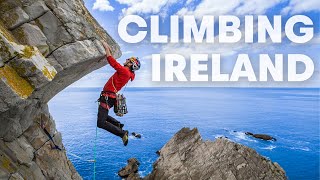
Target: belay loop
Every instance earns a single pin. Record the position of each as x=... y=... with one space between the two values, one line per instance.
x=121 y=106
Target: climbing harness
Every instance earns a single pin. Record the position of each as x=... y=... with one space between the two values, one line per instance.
x=120 y=107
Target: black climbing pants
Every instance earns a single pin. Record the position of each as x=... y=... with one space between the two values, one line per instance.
x=107 y=122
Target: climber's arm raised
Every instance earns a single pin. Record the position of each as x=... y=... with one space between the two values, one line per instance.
x=113 y=63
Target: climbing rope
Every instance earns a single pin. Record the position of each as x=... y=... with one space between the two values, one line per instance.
x=94 y=155
x=95 y=141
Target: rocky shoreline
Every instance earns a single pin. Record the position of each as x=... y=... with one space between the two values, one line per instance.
x=187 y=156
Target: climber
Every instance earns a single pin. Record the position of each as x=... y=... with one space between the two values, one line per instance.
x=108 y=96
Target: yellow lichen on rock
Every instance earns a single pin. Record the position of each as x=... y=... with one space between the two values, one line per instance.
x=17 y=83
x=33 y=69
x=28 y=52
x=5 y=53
x=4 y=50
x=31 y=63
x=9 y=48
x=6 y=33
x=6 y=163
x=49 y=74
x=40 y=63
x=12 y=19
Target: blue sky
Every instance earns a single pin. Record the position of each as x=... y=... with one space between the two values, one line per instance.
x=109 y=12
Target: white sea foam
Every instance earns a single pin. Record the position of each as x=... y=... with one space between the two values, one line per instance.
x=142 y=173
x=132 y=137
x=74 y=155
x=269 y=147
x=218 y=136
x=300 y=148
x=242 y=136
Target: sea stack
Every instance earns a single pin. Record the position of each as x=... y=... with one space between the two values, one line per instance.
x=130 y=171
x=261 y=136
x=187 y=156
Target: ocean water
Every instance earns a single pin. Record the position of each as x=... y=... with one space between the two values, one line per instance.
x=290 y=115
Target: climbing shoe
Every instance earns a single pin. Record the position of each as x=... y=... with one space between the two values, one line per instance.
x=125 y=138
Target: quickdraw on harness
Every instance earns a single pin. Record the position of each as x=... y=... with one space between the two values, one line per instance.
x=121 y=106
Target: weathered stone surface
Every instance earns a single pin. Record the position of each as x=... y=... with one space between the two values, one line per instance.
x=16 y=119
x=77 y=52
x=52 y=60
x=8 y=48
x=130 y=171
x=80 y=22
x=4 y=175
x=8 y=163
x=35 y=134
x=32 y=172
x=13 y=87
x=34 y=67
x=51 y=162
x=16 y=176
x=1 y=63
x=92 y=58
x=3 y=106
x=29 y=34
x=22 y=150
x=186 y=156
x=53 y=30
x=61 y=80
x=28 y=80
x=14 y=18
x=36 y=9
x=7 y=5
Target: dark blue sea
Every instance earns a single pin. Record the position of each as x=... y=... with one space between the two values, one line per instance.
x=290 y=115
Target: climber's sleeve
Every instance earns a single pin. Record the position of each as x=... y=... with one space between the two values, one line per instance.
x=114 y=63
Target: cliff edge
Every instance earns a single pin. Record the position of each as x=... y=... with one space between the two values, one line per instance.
x=45 y=45
x=187 y=156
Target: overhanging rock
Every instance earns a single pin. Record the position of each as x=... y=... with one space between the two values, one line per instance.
x=45 y=46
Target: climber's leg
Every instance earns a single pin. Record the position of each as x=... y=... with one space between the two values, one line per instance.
x=102 y=123
x=114 y=121
x=111 y=102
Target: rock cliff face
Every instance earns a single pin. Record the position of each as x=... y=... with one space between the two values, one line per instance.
x=45 y=45
x=186 y=156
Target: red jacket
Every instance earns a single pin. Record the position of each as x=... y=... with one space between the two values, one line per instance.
x=119 y=78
